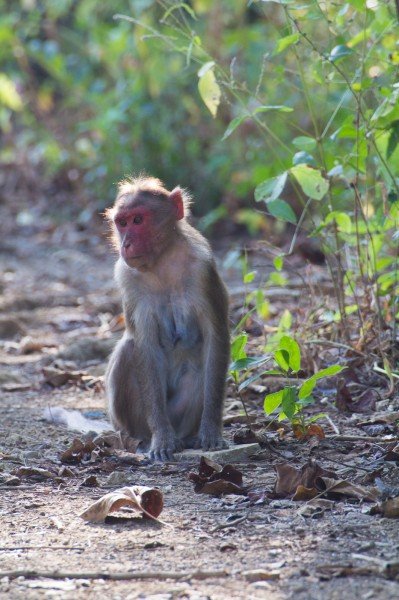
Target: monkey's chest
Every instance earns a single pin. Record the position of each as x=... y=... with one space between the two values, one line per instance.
x=178 y=329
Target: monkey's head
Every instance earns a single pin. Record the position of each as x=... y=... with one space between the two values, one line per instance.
x=144 y=220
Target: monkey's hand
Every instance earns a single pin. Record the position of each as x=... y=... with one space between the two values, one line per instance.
x=210 y=439
x=164 y=445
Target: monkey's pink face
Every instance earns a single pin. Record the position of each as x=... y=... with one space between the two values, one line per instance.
x=137 y=233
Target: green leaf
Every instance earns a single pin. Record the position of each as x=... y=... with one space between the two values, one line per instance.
x=308 y=386
x=234 y=124
x=311 y=181
x=288 y=403
x=281 y=210
x=249 y=277
x=282 y=358
x=342 y=220
x=393 y=140
x=278 y=262
x=304 y=143
x=339 y=52
x=238 y=347
x=289 y=346
x=314 y=418
x=9 y=95
x=270 y=189
x=272 y=401
x=387 y=112
x=208 y=87
x=276 y=107
x=285 y=42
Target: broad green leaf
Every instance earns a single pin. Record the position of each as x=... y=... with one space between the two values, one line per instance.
x=288 y=403
x=311 y=181
x=286 y=42
x=282 y=358
x=308 y=386
x=342 y=220
x=339 y=52
x=316 y=417
x=234 y=124
x=276 y=107
x=238 y=347
x=208 y=88
x=272 y=401
x=270 y=189
x=291 y=347
x=9 y=95
x=281 y=210
x=304 y=143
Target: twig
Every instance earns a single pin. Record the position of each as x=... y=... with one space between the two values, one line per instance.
x=229 y=523
x=333 y=425
x=361 y=438
x=10 y=548
x=128 y=575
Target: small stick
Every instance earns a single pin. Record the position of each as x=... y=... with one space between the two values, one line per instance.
x=10 y=548
x=333 y=425
x=31 y=574
x=229 y=523
x=361 y=438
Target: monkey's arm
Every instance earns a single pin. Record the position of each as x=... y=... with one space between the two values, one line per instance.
x=216 y=361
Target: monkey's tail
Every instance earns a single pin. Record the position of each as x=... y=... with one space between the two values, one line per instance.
x=75 y=420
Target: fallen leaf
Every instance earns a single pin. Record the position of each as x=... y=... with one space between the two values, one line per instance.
x=364 y=403
x=304 y=493
x=337 y=488
x=289 y=478
x=36 y=473
x=144 y=499
x=215 y=480
x=305 y=433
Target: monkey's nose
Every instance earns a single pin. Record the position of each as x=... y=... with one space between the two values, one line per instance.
x=127 y=244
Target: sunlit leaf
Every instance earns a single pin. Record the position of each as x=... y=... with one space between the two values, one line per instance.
x=238 y=347
x=288 y=403
x=290 y=349
x=272 y=401
x=311 y=181
x=285 y=42
x=234 y=124
x=208 y=87
x=9 y=95
x=276 y=107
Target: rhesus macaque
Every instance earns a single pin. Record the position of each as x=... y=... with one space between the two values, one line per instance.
x=166 y=378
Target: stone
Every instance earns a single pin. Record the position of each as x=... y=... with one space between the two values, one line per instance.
x=233 y=454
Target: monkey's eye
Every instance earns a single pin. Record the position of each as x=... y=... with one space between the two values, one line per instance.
x=138 y=219
x=122 y=222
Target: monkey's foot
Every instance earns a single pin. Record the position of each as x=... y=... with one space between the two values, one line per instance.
x=210 y=441
x=163 y=448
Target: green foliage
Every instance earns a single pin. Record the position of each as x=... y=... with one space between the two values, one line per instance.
x=290 y=401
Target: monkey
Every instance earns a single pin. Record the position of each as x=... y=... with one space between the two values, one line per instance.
x=165 y=380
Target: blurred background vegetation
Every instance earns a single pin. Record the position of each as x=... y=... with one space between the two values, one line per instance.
x=86 y=99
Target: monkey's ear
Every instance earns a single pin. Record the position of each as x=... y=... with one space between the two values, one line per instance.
x=176 y=197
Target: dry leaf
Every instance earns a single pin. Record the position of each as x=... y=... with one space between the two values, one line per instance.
x=215 y=480
x=339 y=487
x=144 y=499
x=304 y=493
x=289 y=478
x=305 y=433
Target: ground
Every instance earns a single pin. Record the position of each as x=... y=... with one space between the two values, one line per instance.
x=60 y=311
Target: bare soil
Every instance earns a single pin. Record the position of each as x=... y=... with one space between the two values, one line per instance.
x=57 y=289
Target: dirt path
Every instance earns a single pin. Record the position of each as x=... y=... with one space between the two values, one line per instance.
x=58 y=291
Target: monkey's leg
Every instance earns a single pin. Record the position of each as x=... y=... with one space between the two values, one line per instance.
x=136 y=388
x=185 y=406
x=216 y=364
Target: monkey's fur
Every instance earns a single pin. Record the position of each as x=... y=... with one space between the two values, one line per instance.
x=166 y=378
